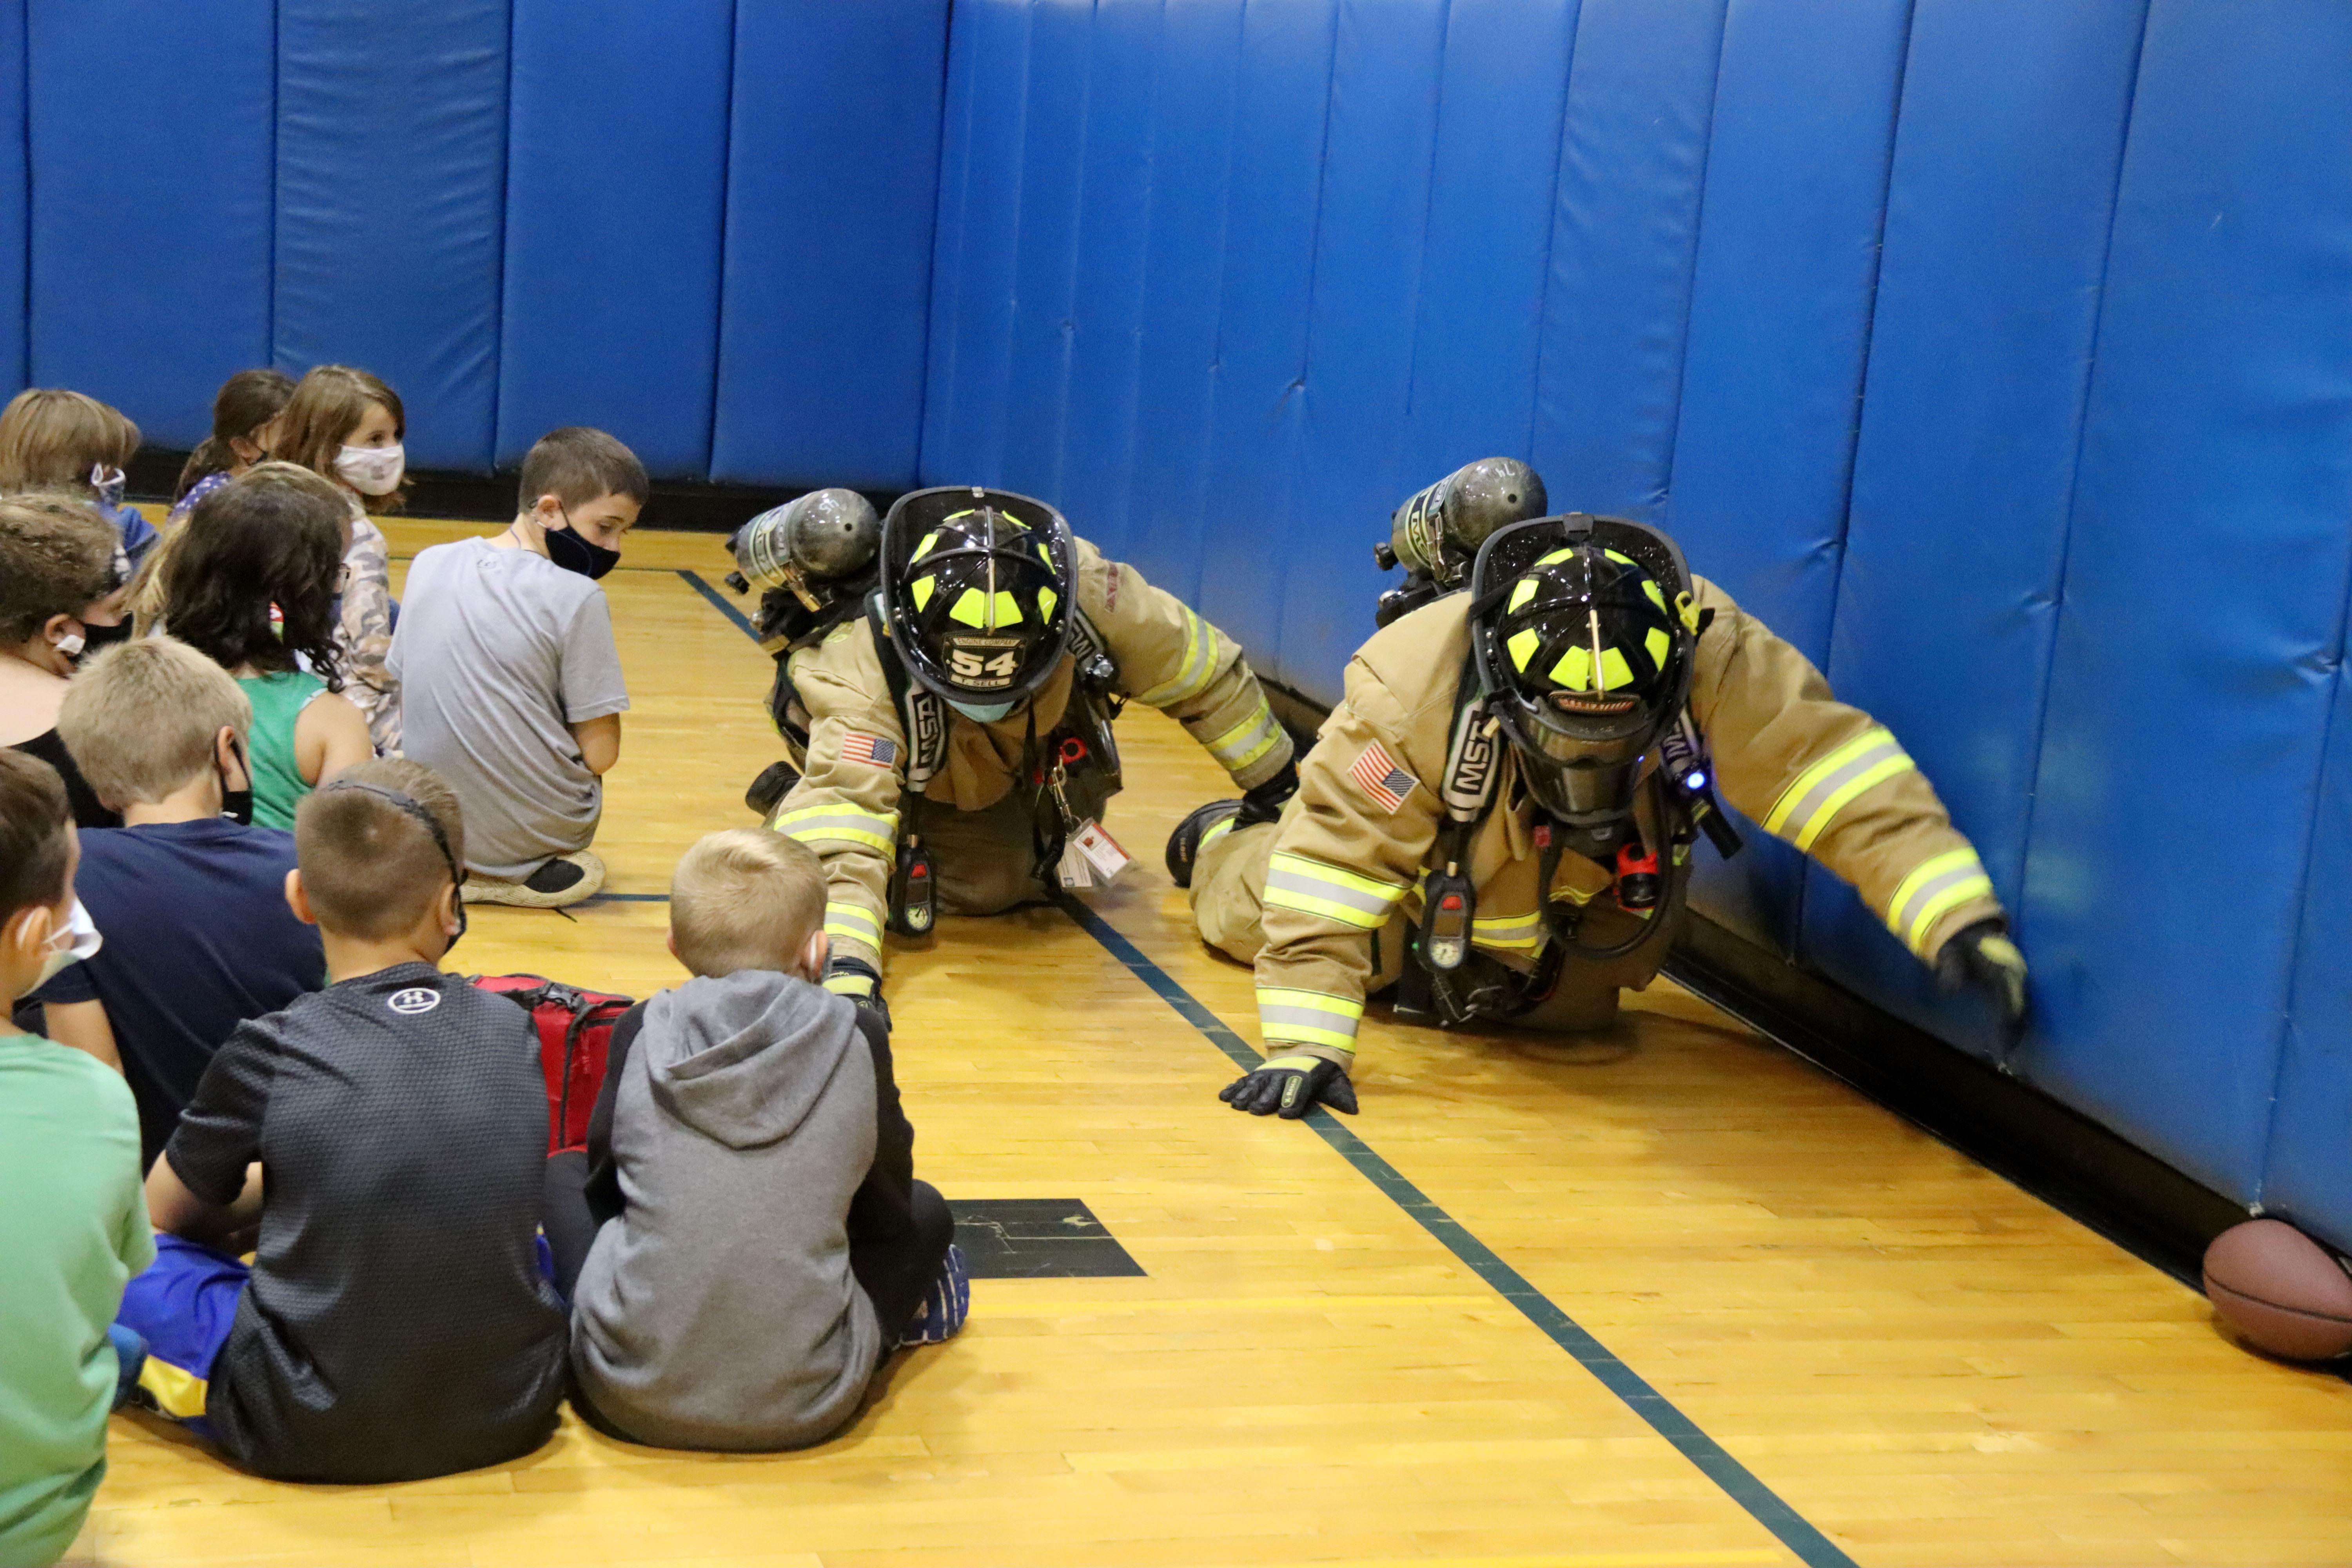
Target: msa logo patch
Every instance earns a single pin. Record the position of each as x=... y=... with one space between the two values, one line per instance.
x=983 y=664
x=414 y=1000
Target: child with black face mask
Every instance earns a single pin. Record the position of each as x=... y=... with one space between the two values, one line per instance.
x=510 y=685
x=189 y=899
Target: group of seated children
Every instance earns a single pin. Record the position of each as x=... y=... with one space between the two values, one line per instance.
x=224 y=917
x=503 y=675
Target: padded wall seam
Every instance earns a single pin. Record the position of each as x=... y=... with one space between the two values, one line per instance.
x=2074 y=492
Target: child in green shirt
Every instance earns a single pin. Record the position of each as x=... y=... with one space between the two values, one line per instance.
x=74 y=1225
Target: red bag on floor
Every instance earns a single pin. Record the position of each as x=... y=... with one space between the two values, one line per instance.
x=575 y=1034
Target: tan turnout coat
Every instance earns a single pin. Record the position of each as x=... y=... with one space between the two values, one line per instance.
x=846 y=805
x=1321 y=902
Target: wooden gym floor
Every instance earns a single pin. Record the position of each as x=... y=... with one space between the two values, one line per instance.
x=1902 y=1358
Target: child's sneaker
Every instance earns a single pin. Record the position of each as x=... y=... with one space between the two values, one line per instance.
x=566 y=879
x=944 y=1310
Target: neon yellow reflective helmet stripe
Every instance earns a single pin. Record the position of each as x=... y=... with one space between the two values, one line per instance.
x=1525 y=644
x=923 y=588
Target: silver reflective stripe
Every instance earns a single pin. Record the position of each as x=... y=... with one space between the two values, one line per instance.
x=1321 y=894
x=1803 y=820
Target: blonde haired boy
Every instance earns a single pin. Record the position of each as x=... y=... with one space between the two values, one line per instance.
x=773 y=1244
x=187 y=894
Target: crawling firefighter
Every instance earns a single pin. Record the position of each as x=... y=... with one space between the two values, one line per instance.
x=1498 y=819
x=946 y=681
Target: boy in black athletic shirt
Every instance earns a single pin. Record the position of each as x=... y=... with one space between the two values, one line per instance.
x=395 y=1323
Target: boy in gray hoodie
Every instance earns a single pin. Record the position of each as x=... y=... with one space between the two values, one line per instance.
x=744 y=1240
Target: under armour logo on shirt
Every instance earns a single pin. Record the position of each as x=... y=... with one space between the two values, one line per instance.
x=414 y=1000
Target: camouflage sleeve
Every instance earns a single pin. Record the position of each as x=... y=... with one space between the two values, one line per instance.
x=1171 y=659
x=1832 y=781
x=364 y=636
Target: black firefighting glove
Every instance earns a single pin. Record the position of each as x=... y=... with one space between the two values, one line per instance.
x=1291 y=1085
x=1265 y=803
x=1982 y=957
x=860 y=982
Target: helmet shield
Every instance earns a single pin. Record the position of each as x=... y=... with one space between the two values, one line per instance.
x=1582 y=628
x=978 y=585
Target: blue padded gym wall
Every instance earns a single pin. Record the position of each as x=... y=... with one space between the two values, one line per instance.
x=16 y=180
x=151 y=218
x=610 y=309
x=704 y=226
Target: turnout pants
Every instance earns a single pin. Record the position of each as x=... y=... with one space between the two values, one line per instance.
x=986 y=861
x=1228 y=895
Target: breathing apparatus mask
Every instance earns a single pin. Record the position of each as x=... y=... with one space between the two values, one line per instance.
x=1582 y=630
x=809 y=556
x=1436 y=533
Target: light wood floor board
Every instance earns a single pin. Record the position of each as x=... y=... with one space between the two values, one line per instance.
x=1930 y=1365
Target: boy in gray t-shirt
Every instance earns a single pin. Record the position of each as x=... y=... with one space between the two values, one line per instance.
x=509 y=685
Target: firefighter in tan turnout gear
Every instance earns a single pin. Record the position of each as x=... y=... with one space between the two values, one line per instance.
x=1498 y=817
x=950 y=724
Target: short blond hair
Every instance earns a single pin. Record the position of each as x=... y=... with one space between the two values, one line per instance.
x=746 y=898
x=140 y=718
x=370 y=868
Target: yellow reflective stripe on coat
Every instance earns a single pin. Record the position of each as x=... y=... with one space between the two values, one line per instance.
x=840 y=822
x=1198 y=668
x=1247 y=741
x=850 y=984
x=1933 y=889
x=1808 y=807
x=1517 y=932
x=854 y=921
x=1311 y=888
x=1307 y=1017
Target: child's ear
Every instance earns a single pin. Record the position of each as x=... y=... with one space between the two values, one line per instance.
x=814 y=953
x=299 y=900
x=669 y=941
x=452 y=911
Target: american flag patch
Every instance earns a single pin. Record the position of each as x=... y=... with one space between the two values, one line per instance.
x=1377 y=774
x=874 y=750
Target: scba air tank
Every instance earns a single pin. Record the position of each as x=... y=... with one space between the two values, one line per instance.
x=1437 y=532
x=823 y=536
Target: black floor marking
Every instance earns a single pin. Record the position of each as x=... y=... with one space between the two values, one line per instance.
x=742 y=622
x=1037 y=1238
x=1735 y=1480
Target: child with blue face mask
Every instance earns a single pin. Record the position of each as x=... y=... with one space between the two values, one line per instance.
x=75 y=1229
x=347 y=427
x=53 y=440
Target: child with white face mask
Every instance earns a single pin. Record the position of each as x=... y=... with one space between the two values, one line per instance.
x=76 y=1226
x=347 y=427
